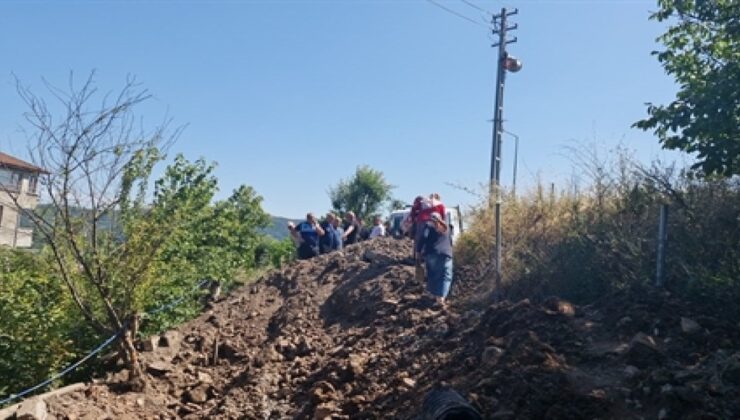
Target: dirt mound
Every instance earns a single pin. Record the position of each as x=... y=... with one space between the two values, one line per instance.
x=351 y=335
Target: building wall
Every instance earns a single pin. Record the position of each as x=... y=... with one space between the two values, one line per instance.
x=10 y=234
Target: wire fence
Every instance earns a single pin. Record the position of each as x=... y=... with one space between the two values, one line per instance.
x=100 y=347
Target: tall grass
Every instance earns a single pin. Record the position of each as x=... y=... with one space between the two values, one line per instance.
x=582 y=242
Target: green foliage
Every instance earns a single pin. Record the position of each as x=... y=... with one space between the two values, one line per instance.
x=274 y=253
x=207 y=241
x=39 y=325
x=582 y=245
x=364 y=193
x=702 y=52
x=396 y=204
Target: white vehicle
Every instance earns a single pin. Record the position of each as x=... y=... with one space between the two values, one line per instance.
x=452 y=218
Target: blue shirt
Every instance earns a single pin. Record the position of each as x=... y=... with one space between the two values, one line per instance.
x=328 y=242
x=308 y=234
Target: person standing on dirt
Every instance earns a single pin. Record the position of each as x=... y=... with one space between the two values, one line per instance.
x=435 y=248
x=338 y=230
x=378 y=228
x=352 y=229
x=307 y=235
x=331 y=240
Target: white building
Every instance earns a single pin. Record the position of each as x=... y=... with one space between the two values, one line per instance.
x=18 y=188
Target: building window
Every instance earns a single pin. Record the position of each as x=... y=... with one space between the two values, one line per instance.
x=33 y=181
x=10 y=180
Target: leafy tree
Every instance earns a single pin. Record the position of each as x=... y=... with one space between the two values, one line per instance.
x=396 y=204
x=702 y=52
x=364 y=193
x=99 y=162
x=215 y=242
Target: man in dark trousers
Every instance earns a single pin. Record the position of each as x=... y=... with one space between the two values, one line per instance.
x=435 y=247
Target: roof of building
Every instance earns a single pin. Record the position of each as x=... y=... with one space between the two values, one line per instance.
x=11 y=162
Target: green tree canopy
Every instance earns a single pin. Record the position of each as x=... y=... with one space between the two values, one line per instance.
x=364 y=193
x=702 y=52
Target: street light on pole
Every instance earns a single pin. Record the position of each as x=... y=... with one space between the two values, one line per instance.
x=516 y=160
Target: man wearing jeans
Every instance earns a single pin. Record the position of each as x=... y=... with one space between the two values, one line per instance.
x=435 y=247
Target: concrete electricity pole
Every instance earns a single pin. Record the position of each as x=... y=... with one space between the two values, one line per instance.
x=503 y=63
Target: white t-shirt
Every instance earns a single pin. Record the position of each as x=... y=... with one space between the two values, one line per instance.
x=377 y=231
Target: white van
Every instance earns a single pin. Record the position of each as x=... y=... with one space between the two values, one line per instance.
x=452 y=217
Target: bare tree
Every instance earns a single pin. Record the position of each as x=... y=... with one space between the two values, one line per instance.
x=99 y=159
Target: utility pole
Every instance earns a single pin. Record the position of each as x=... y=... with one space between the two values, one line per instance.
x=503 y=63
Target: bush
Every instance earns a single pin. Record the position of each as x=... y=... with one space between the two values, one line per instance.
x=584 y=244
x=39 y=326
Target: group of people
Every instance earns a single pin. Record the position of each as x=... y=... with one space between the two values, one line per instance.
x=313 y=238
x=425 y=224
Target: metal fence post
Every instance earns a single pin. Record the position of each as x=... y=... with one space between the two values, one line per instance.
x=662 y=239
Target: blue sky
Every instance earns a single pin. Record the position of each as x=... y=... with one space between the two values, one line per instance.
x=291 y=96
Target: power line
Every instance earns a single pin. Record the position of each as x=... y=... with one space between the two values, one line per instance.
x=460 y=15
x=476 y=7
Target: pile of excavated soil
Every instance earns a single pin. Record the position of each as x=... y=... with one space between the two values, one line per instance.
x=351 y=335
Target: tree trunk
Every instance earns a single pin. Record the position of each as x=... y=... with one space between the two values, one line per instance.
x=136 y=379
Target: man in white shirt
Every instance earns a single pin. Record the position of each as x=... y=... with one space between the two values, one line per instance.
x=378 y=228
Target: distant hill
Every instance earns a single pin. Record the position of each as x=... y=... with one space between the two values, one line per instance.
x=278 y=229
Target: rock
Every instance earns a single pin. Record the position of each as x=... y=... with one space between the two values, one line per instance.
x=149 y=343
x=32 y=409
x=625 y=321
x=503 y=415
x=197 y=395
x=118 y=377
x=324 y=411
x=158 y=368
x=204 y=378
x=356 y=363
x=642 y=351
x=558 y=305
x=631 y=371
x=322 y=391
x=171 y=339
x=408 y=382
x=731 y=372
x=491 y=355
x=690 y=327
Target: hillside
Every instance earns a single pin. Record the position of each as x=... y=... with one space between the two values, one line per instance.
x=278 y=227
x=350 y=335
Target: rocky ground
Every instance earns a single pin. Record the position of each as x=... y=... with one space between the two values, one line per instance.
x=351 y=335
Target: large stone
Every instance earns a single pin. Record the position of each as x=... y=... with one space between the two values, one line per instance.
x=198 y=395
x=158 y=368
x=491 y=355
x=322 y=391
x=324 y=411
x=149 y=343
x=171 y=339
x=558 y=305
x=643 y=351
x=690 y=327
x=32 y=409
